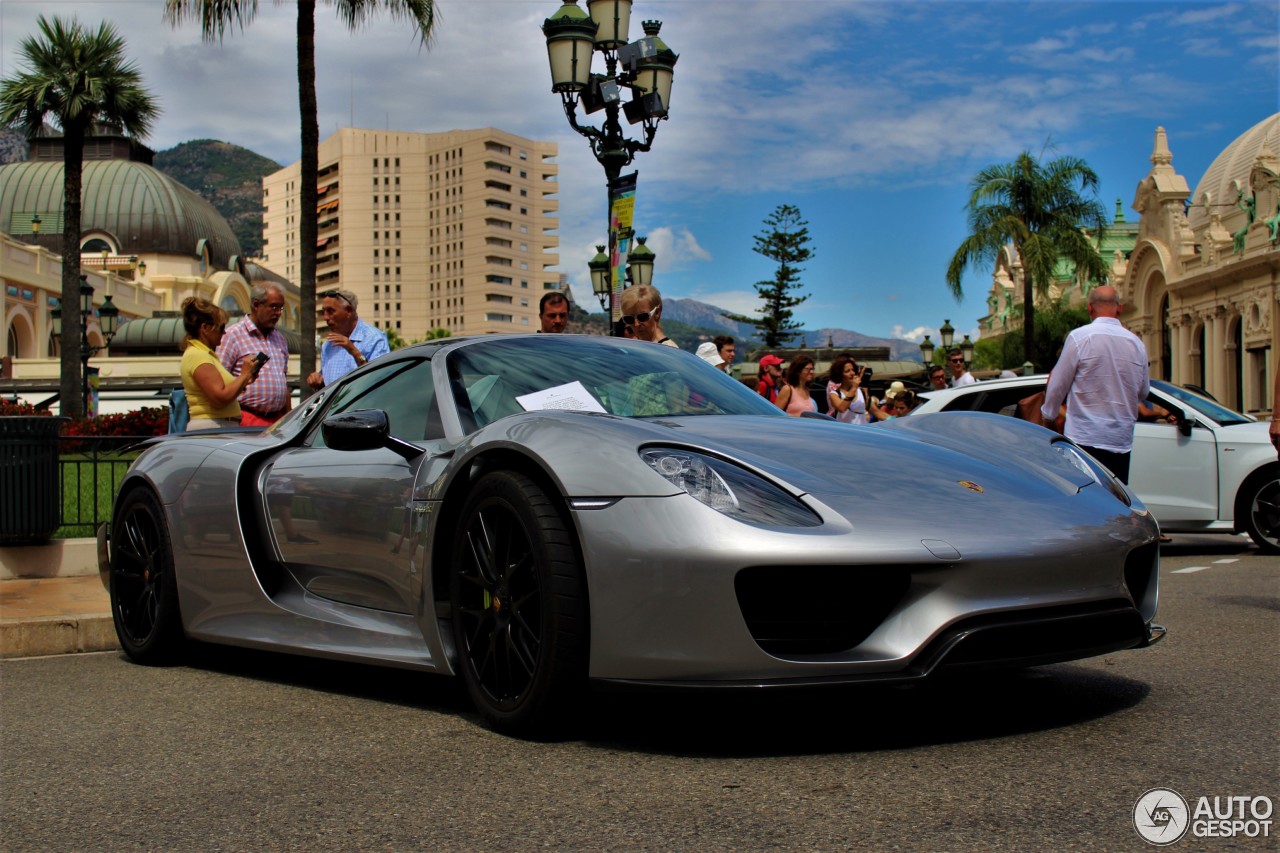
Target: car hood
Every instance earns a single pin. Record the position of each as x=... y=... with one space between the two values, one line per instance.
x=596 y=455
x=830 y=459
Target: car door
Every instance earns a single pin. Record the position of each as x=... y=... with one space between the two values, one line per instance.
x=1176 y=475
x=342 y=520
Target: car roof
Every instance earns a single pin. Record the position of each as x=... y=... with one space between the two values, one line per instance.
x=983 y=385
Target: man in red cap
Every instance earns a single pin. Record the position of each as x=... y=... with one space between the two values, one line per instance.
x=770 y=374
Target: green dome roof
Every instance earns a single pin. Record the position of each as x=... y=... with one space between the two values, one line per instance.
x=144 y=210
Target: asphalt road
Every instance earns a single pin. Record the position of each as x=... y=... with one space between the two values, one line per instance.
x=249 y=751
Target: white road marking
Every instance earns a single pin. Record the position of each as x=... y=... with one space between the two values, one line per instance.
x=1189 y=569
x=1228 y=560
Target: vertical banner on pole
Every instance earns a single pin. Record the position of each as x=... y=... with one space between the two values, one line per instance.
x=622 y=205
x=92 y=382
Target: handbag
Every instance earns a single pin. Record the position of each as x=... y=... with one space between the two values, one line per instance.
x=1029 y=410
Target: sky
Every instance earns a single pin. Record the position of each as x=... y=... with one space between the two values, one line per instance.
x=869 y=117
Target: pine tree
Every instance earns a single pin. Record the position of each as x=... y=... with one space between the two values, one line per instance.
x=785 y=241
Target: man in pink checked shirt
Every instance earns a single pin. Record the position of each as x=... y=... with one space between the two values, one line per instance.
x=265 y=401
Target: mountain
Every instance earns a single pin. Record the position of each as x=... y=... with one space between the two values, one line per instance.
x=228 y=177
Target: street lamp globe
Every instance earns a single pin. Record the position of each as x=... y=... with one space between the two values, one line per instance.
x=570 y=35
x=600 y=269
x=640 y=262
x=926 y=351
x=966 y=350
x=108 y=316
x=655 y=68
x=947 y=333
x=613 y=17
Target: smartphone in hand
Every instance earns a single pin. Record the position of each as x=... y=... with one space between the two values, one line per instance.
x=261 y=359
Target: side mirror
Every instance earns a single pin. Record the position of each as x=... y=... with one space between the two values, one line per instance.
x=365 y=429
x=1184 y=425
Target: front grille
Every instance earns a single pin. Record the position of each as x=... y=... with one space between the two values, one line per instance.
x=1046 y=635
x=805 y=611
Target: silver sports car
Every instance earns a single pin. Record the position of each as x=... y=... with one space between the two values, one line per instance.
x=539 y=513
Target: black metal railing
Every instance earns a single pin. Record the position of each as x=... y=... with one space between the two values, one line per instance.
x=90 y=469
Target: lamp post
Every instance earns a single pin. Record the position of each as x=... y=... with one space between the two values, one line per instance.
x=948 y=334
x=966 y=351
x=644 y=67
x=35 y=227
x=108 y=316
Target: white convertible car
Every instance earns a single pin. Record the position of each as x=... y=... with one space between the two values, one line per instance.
x=1214 y=472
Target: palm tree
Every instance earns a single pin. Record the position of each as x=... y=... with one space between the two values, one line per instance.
x=77 y=78
x=215 y=17
x=1042 y=210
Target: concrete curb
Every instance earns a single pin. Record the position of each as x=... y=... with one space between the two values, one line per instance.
x=57 y=635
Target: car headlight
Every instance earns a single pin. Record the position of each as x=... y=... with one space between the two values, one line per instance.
x=729 y=489
x=1088 y=465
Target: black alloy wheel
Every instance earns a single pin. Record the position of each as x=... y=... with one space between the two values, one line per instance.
x=1262 y=509
x=519 y=607
x=144 y=592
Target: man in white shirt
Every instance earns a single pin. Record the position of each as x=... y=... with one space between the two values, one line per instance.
x=959 y=376
x=1102 y=375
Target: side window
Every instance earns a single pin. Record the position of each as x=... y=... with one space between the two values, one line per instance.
x=403 y=390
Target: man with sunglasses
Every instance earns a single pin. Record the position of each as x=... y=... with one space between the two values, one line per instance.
x=268 y=398
x=641 y=308
x=350 y=342
x=959 y=376
x=938 y=377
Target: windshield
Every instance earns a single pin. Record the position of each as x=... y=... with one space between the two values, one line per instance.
x=504 y=376
x=1203 y=405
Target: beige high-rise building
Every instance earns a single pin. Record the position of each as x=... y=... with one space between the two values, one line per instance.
x=451 y=230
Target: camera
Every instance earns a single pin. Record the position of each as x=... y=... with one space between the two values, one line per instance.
x=866 y=374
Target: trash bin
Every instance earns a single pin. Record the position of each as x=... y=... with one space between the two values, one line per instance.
x=30 y=486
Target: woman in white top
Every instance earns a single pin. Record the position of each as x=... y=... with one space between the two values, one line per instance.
x=846 y=398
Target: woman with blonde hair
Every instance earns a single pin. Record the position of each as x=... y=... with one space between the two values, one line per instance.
x=211 y=391
x=794 y=398
x=641 y=309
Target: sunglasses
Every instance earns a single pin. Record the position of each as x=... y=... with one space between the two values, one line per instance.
x=642 y=317
x=956 y=360
x=333 y=294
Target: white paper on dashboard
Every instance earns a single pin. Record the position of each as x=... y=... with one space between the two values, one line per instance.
x=570 y=396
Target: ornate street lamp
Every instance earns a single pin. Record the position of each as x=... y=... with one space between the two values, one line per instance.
x=35 y=226
x=966 y=351
x=108 y=318
x=644 y=67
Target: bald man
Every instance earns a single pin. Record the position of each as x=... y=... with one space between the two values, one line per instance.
x=1102 y=375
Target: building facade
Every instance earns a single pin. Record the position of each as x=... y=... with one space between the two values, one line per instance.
x=451 y=230
x=1198 y=274
x=147 y=242
x=1202 y=285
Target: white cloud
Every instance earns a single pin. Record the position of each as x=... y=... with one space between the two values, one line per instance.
x=915 y=335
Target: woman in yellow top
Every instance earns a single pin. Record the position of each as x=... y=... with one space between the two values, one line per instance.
x=211 y=390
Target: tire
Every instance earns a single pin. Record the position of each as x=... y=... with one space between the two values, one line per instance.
x=1261 y=506
x=142 y=583
x=519 y=607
